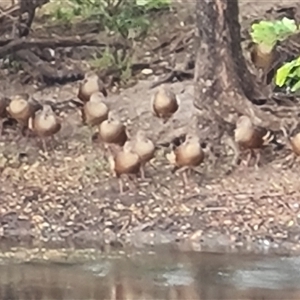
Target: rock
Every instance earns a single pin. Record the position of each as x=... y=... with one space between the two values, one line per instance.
x=147 y=72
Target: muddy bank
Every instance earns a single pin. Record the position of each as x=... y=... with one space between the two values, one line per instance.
x=69 y=199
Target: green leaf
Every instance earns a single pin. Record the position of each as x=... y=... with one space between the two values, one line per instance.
x=295 y=72
x=283 y=73
x=288 y=74
x=141 y=2
x=297 y=62
x=289 y=24
x=295 y=68
x=263 y=33
x=284 y=28
x=296 y=87
x=269 y=32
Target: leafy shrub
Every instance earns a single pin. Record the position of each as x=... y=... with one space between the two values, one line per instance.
x=266 y=34
x=123 y=16
x=269 y=32
x=289 y=75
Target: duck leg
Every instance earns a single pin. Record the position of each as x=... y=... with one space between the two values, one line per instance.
x=132 y=182
x=250 y=155
x=142 y=170
x=121 y=186
x=44 y=145
x=25 y=132
x=257 y=159
x=185 y=178
x=229 y=141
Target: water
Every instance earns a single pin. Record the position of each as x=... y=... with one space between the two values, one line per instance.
x=155 y=275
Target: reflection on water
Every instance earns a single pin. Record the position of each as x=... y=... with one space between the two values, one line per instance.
x=156 y=275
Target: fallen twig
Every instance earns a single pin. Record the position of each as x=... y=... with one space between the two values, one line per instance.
x=178 y=74
x=26 y=43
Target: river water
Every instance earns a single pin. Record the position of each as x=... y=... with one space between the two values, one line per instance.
x=155 y=275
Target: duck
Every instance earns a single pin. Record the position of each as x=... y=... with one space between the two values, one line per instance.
x=164 y=103
x=188 y=155
x=45 y=123
x=144 y=148
x=90 y=84
x=124 y=163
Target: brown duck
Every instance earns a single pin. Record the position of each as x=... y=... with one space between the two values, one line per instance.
x=95 y=111
x=126 y=162
x=144 y=148
x=112 y=131
x=249 y=136
x=90 y=84
x=264 y=60
x=261 y=59
x=21 y=108
x=188 y=155
x=164 y=103
x=45 y=123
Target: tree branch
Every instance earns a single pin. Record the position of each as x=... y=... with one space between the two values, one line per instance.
x=27 y=43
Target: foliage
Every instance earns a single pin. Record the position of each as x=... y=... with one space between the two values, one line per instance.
x=289 y=75
x=127 y=17
x=269 y=32
x=119 y=59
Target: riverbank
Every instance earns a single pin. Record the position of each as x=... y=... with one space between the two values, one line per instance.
x=69 y=197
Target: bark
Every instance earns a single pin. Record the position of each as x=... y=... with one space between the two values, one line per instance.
x=223 y=84
x=245 y=78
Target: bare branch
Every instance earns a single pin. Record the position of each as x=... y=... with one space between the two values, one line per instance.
x=27 y=43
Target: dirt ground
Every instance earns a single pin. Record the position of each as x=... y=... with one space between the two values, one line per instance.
x=68 y=198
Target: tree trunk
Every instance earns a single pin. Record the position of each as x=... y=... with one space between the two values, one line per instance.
x=223 y=83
